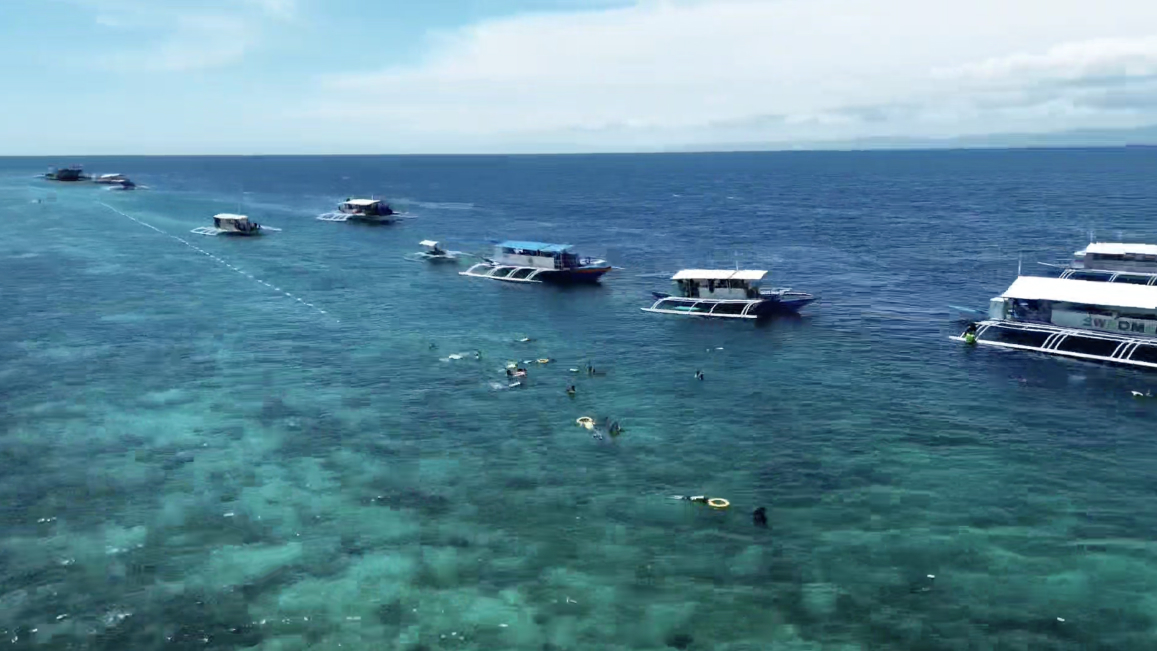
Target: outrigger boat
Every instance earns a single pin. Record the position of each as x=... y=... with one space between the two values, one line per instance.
x=435 y=253
x=538 y=262
x=1111 y=262
x=373 y=211
x=727 y=293
x=1083 y=319
x=66 y=174
x=111 y=179
x=228 y=224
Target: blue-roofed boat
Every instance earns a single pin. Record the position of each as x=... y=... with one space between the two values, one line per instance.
x=728 y=294
x=538 y=262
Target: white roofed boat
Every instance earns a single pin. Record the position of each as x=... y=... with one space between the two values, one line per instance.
x=1114 y=262
x=1082 y=319
x=231 y=224
x=435 y=253
x=536 y=262
x=726 y=293
x=373 y=211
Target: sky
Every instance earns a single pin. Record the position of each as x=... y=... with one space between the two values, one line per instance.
x=490 y=76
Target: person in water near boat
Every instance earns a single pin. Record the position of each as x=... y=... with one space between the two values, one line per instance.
x=699 y=375
x=571 y=390
x=970 y=333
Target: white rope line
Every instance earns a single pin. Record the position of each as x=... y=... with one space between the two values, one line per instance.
x=219 y=260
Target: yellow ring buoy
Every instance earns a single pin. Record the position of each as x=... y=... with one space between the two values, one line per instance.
x=544 y=361
x=718 y=503
x=586 y=421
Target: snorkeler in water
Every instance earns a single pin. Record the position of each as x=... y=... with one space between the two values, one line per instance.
x=759 y=517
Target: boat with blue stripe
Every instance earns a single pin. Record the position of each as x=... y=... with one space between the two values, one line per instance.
x=538 y=262
x=727 y=293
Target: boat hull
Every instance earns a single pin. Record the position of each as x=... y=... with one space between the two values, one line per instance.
x=1074 y=343
x=516 y=274
x=767 y=306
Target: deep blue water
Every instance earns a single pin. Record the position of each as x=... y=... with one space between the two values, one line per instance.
x=190 y=458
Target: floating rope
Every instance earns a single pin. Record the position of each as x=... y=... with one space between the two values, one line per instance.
x=219 y=260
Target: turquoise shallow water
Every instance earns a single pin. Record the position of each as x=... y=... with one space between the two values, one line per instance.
x=190 y=458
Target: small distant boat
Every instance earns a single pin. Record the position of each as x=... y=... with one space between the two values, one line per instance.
x=435 y=253
x=228 y=224
x=66 y=174
x=374 y=211
x=538 y=262
x=125 y=184
x=727 y=293
x=111 y=179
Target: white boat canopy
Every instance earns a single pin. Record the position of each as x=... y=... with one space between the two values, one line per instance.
x=430 y=243
x=1084 y=292
x=1118 y=248
x=719 y=274
x=228 y=217
x=362 y=202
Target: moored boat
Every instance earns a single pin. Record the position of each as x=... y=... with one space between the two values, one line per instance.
x=539 y=262
x=727 y=293
x=1082 y=319
x=66 y=174
x=229 y=224
x=433 y=252
x=373 y=211
x=1114 y=262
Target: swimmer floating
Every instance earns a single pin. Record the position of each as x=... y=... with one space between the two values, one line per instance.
x=713 y=502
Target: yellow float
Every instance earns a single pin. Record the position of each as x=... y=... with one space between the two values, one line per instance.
x=586 y=421
x=544 y=361
x=718 y=503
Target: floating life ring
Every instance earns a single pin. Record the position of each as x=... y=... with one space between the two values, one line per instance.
x=586 y=421
x=544 y=361
x=718 y=503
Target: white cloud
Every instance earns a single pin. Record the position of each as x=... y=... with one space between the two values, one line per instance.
x=178 y=36
x=283 y=9
x=195 y=43
x=661 y=72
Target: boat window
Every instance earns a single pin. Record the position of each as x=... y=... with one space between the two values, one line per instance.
x=1088 y=345
x=1132 y=279
x=1023 y=310
x=1145 y=353
x=1030 y=338
x=729 y=308
x=1090 y=275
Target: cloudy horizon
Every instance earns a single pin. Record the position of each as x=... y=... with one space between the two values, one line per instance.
x=350 y=76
